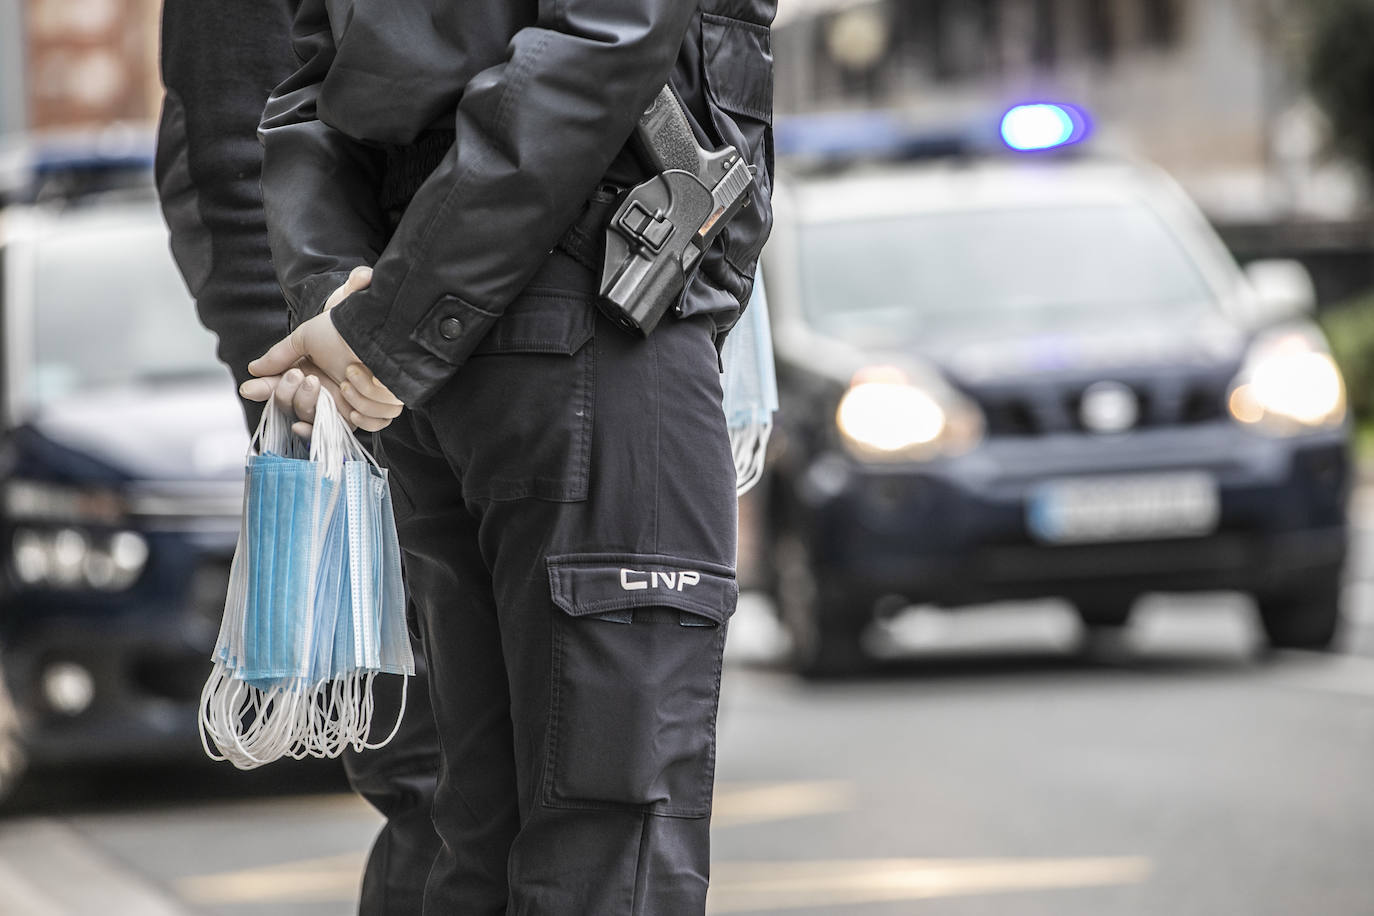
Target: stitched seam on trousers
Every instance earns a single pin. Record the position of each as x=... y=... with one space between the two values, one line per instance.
x=708 y=774
x=587 y=428
x=676 y=601
x=677 y=560
x=640 y=888
x=555 y=702
x=658 y=438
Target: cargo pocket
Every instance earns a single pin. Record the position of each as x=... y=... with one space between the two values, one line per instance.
x=516 y=419
x=637 y=643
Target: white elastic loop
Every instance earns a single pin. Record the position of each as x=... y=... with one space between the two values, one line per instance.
x=250 y=725
x=405 y=688
x=749 y=445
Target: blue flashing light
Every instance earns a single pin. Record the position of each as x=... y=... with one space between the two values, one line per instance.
x=1042 y=126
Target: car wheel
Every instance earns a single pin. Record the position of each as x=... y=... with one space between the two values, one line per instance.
x=1302 y=619
x=825 y=624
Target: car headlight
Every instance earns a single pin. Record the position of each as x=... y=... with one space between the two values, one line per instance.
x=72 y=558
x=887 y=416
x=1289 y=385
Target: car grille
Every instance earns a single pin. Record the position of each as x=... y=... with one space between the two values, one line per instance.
x=179 y=674
x=1048 y=408
x=205 y=597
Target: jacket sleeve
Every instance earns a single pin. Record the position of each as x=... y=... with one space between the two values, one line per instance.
x=319 y=186
x=219 y=63
x=535 y=134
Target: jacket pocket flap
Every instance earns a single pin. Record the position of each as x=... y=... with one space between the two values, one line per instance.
x=585 y=585
x=541 y=322
x=739 y=65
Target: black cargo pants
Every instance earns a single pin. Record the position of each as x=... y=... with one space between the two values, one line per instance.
x=566 y=507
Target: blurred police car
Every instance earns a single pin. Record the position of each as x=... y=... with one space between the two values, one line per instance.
x=121 y=467
x=1031 y=375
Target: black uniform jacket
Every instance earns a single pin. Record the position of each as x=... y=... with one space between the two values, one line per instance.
x=541 y=97
x=219 y=63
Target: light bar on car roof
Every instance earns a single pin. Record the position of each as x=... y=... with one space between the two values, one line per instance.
x=1044 y=126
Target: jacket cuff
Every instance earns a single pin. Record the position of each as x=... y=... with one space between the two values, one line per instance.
x=416 y=366
x=311 y=295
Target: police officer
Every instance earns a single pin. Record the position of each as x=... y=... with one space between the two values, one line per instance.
x=219 y=63
x=564 y=490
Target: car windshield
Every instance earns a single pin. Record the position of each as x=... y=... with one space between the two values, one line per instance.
x=110 y=308
x=959 y=271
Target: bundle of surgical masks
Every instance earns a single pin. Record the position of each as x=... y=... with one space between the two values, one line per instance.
x=751 y=388
x=316 y=606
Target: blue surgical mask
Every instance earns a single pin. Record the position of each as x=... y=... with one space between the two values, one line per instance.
x=397 y=656
x=280 y=540
x=316 y=606
x=750 y=388
x=382 y=642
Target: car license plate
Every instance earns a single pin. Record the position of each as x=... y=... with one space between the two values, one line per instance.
x=1138 y=507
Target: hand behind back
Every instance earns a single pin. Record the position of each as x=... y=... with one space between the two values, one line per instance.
x=314 y=357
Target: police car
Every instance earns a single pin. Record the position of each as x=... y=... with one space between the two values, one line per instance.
x=1033 y=374
x=121 y=466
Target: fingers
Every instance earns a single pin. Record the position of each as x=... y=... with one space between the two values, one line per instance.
x=297 y=392
x=284 y=396
x=280 y=358
x=366 y=384
x=365 y=405
x=360 y=278
x=306 y=396
x=371 y=424
x=258 y=389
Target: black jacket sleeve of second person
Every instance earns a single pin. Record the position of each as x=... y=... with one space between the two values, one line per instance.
x=219 y=63
x=535 y=134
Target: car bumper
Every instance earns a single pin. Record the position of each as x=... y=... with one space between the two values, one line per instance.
x=145 y=671
x=957 y=532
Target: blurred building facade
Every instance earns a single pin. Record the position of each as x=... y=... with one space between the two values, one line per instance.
x=1209 y=89
x=77 y=63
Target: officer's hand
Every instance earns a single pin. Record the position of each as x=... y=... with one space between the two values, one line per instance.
x=363 y=401
x=296 y=393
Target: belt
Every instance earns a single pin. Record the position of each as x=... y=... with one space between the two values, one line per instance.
x=585 y=240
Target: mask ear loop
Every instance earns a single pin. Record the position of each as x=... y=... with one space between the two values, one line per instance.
x=405 y=688
x=749 y=445
x=296 y=718
x=273 y=432
x=331 y=441
x=214 y=684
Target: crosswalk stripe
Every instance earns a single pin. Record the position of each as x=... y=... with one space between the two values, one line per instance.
x=757 y=886
x=47 y=867
x=738 y=805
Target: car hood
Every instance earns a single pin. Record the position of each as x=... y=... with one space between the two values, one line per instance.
x=992 y=357
x=174 y=431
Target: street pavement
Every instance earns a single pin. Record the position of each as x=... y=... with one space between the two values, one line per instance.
x=988 y=767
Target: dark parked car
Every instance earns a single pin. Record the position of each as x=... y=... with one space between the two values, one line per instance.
x=121 y=463
x=1009 y=376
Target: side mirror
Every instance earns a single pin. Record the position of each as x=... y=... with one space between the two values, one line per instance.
x=1283 y=289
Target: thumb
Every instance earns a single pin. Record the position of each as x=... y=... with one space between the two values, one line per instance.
x=281 y=357
x=359 y=278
